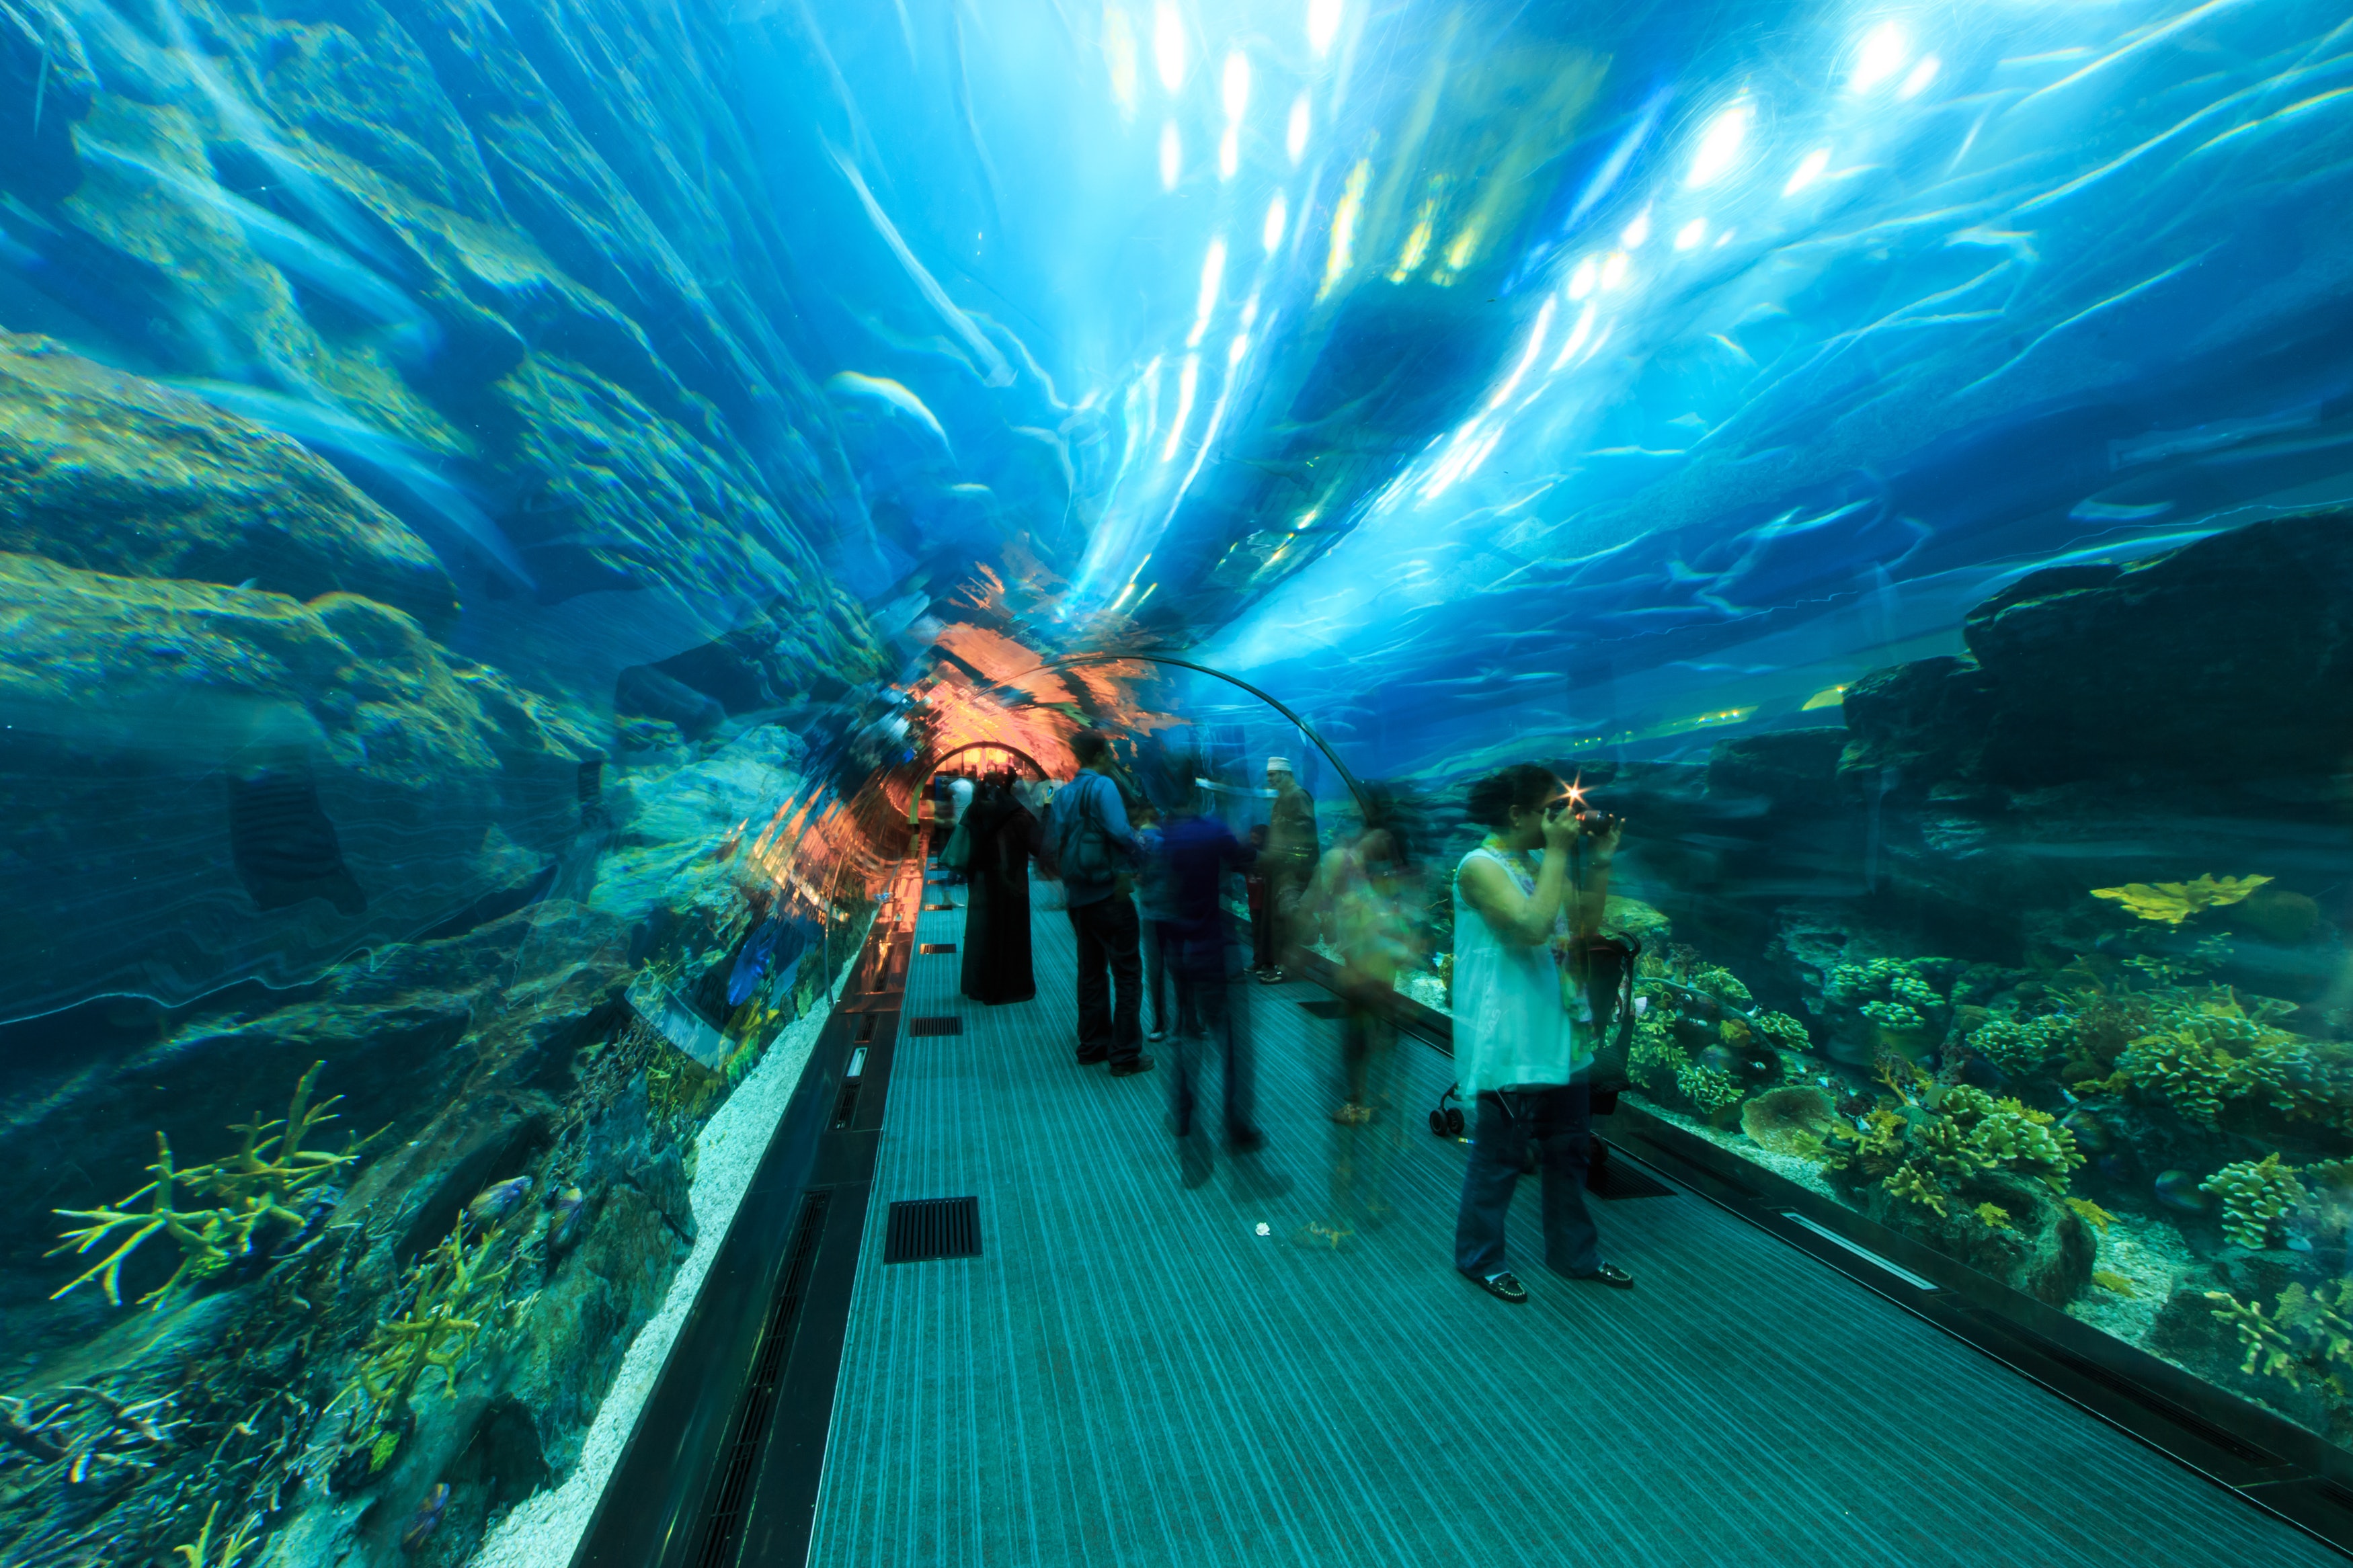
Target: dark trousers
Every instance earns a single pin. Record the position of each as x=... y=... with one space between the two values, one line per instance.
x=1210 y=993
x=1261 y=914
x=1560 y=1121
x=1159 y=957
x=1107 y=933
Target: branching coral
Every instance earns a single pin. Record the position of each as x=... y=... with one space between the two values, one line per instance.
x=450 y=1296
x=2307 y=1334
x=1784 y=1032
x=1895 y=1015
x=2018 y=1046
x=232 y=1545
x=267 y=1181
x=1653 y=1059
x=2206 y=1051
x=1721 y=983
x=1929 y=1154
x=2256 y=1196
x=1707 y=1087
x=2174 y=902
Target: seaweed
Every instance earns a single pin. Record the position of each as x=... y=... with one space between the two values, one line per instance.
x=232 y=1546
x=258 y=1185
x=450 y=1297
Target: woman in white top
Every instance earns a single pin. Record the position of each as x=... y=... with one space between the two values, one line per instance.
x=1518 y=1051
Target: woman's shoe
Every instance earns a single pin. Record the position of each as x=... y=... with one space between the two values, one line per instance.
x=1609 y=1274
x=1503 y=1287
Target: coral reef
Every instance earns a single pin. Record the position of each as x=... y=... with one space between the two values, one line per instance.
x=1710 y=1088
x=2174 y=902
x=1790 y=1121
x=259 y=1186
x=2307 y=1335
x=2256 y=1196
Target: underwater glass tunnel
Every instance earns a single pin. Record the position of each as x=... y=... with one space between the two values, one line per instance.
x=512 y=517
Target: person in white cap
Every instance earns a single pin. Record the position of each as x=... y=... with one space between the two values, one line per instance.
x=1288 y=864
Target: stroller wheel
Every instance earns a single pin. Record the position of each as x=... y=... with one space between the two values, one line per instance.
x=1437 y=1123
x=1454 y=1123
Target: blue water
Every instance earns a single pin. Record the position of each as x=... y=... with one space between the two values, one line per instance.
x=502 y=508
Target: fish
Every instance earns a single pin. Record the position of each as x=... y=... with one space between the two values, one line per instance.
x=426 y=1518
x=564 y=1211
x=891 y=394
x=2179 y=1190
x=495 y=1202
x=2089 y=1131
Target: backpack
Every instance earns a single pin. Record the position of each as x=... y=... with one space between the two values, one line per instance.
x=1088 y=860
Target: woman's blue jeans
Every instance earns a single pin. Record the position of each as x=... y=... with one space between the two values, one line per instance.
x=1560 y=1121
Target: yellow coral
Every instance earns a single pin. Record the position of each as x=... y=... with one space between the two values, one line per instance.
x=2093 y=1214
x=2174 y=902
x=1994 y=1216
x=2117 y=1282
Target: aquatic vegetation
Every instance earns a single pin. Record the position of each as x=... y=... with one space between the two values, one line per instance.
x=450 y=1296
x=232 y=1545
x=2108 y=1281
x=2307 y=1335
x=1994 y=1216
x=2174 y=902
x=1929 y=1159
x=2092 y=1214
x=271 y=1180
x=1721 y=983
x=2207 y=1051
x=1708 y=1088
x=2021 y=1046
x=1781 y=1030
x=2256 y=1196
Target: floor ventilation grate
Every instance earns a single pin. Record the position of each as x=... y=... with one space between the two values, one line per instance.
x=939 y=947
x=920 y=1026
x=926 y=1229
x=728 y=1505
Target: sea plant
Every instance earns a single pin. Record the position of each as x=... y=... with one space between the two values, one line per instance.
x=1710 y=1088
x=2307 y=1334
x=1781 y=1030
x=2256 y=1196
x=2206 y=1050
x=2174 y=902
x=450 y=1296
x=268 y=1182
x=232 y=1545
x=2020 y=1045
x=1945 y=1136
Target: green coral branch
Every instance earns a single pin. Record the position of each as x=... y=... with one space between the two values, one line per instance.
x=2256 y=1196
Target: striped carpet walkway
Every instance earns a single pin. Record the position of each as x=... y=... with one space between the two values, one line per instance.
x=1133 y=1374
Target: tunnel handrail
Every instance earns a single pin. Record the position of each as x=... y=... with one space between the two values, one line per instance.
x=1065 y=661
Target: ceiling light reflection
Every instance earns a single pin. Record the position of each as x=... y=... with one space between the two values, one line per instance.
x=1119 y=56
x=1277 y=214
x=1719 y=144
x=1323 y=23
x=1635 y=233
x=1613 y=270
x=1579 y=336
x=1188 y=381
x=1343 y=254
x=1884 y=49
x=1810 y=169
x=1922 y=74
x=1168 y=45
x=1688 y=237
x=1295 y=138
x=1581 y=280
x=1172 y=155
x=1229 y=151
x=1213 y=277
x=1236 y=85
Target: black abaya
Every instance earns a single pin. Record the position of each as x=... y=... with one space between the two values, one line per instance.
x=996 y=945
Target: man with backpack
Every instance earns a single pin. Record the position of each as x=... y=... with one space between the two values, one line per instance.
x=1094 y=849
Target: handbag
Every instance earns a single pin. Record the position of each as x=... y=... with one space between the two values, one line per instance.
x=1600 y=973
x=956 y=855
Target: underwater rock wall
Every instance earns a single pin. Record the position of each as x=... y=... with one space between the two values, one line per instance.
x=417 y=542
x=476 y=322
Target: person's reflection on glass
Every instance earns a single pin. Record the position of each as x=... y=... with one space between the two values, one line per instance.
x=1517 y=1050
x=1200 y=857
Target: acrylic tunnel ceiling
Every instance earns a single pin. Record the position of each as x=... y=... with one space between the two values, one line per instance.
x=1609 y=372
x=1455 y=370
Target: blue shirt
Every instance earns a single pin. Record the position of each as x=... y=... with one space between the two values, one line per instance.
x=1201 y=851
x=1089 y=796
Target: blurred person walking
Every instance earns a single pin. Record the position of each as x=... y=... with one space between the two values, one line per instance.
x=1095 y=851
x=1518 y=1049
x=1200 y=854
x=1287 y=862
x=1152 y=898
x=1002 y=837
x=1363 y=899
